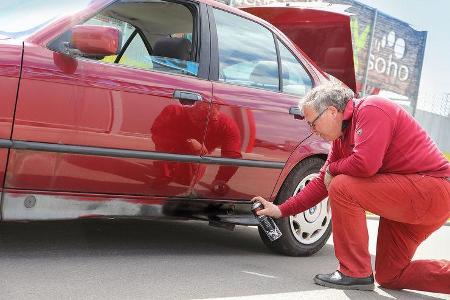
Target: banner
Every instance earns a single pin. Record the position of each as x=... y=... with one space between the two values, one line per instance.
x=396 y=56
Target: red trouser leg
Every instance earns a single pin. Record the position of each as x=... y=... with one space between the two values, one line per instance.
x=393 y=265
x=411 y=207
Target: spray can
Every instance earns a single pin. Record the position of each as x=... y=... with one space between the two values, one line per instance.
x=266 y=223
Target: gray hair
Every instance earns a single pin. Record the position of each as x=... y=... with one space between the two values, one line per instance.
x=329 y=94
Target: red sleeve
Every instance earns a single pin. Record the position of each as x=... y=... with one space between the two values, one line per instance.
x=165 y=132
x=313 y=193
x=373 y=135
x=229 y=138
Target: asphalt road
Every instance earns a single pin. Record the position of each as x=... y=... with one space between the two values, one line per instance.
x=168 y=260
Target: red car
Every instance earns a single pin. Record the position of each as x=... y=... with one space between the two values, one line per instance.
x=155 y=108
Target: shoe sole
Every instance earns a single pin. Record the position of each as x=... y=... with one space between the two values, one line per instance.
x=359 y=287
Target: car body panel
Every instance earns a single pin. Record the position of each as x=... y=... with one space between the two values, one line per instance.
x=10 y=64
x=83 y=146
x=39 y=205
x=268 y=134
x=3 y=160
x=96 y=105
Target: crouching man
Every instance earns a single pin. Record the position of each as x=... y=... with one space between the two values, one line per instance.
x=381 y=161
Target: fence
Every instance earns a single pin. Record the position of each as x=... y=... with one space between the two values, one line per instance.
x=437 y=126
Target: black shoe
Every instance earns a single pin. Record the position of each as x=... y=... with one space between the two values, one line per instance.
x=338 y=280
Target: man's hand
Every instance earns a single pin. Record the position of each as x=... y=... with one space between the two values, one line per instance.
x=327 y=179
x=197 y=147
x=219 y=187
x=270 y=209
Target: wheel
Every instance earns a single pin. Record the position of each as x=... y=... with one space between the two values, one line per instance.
x=305 y=233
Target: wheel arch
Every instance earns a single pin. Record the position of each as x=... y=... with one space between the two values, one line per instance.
x=311 y=148
x=306 y=232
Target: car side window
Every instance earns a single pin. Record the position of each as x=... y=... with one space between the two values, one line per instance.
x=295 y=79
x=247 y=53
x=155 y=35
x=136 y=53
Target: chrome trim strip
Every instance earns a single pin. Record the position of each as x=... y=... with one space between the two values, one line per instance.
x=242 y=162
x=86 y=150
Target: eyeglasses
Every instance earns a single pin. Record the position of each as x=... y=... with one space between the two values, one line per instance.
x=313 y=123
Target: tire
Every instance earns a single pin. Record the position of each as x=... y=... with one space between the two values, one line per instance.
x=305 y=233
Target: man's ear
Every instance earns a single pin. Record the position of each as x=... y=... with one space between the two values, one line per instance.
x=333 y=110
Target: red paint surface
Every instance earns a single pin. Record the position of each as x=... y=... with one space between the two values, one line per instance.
x=70 y=101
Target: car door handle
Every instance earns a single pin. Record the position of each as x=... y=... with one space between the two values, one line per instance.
x=295 y=110
x=187 y=98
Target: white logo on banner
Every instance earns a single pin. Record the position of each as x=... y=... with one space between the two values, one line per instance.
x=390 y=67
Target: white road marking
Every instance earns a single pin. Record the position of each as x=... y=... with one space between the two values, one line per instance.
x=259 y=274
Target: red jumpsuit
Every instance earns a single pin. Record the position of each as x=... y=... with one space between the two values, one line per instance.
x=384 y=163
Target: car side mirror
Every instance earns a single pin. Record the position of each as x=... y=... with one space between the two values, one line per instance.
x=94 y=41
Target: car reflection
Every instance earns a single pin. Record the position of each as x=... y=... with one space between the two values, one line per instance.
x=181 y=129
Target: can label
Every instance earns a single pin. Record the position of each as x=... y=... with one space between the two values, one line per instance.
x=266 y=223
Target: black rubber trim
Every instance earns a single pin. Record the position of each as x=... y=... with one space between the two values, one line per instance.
x=280 y=67
x=85 y=150
x=242 y=162
x=125 y=46
x=204 y=41
x=5 y=144
x=145 y=41
x=214 y=59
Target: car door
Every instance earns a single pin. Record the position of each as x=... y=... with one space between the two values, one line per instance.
x=252 y=126
x=118 y=128
x=10 y=54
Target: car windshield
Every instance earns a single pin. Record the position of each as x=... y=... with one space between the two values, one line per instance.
x=21 y=18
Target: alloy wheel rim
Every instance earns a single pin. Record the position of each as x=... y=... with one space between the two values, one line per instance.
x=309 y=226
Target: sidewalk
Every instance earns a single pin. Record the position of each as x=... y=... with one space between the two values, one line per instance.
x=436 y=246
